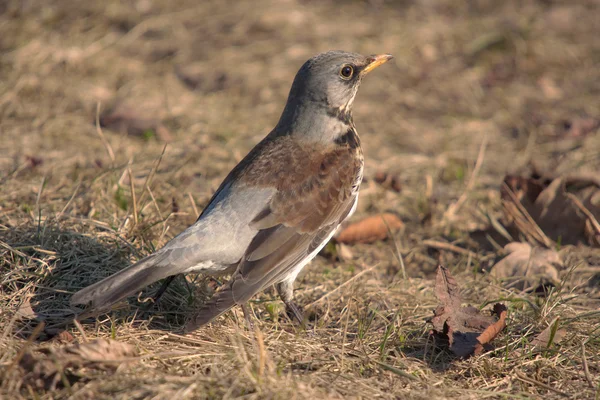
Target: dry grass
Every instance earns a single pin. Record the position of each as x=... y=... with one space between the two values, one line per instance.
x=78 y=203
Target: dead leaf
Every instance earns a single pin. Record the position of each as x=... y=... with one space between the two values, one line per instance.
x=388 y=181
x=446 y=289
x=336 y=252
x=465 y=328
x=34 y=161
x=63 y=337
x=25 y=311
x=344 y=252
x=47 y=368
x=493 y=330
x=527 y=267
x=579 y=127
x=199 y=77
x=549 y=88
x=126 y=119
x=548 y=210
x=370 y=229
x=551 y=335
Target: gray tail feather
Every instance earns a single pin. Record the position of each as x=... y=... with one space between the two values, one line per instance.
x=124 y=283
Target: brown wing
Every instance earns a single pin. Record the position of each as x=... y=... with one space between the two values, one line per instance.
x=299 y=217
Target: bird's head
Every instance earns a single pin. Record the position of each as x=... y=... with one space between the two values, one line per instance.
x=326 y=85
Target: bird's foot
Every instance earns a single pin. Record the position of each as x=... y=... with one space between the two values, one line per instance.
x=248 y=316
x=295 y=313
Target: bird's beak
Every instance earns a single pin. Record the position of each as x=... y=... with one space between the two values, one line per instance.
x=376 y=61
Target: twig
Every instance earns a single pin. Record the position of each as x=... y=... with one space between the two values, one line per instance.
x=80 y=329
x=450 y=247
x=344 y=334
x=398 y=254
x=193 y=204
x=453 y=209
x=105 y=142
x=586 y=369
x=60 y=214
x=540 y=384
x=151 y=175
x=543 y=238
x=395 y=370
x=584 y=210
x=133 y=199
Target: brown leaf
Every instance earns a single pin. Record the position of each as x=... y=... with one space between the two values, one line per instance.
x=126 y=119
x=579 y=127
x=99 y=351
x=446 y=289
x=549 y=88
x=25 y=311
x=526 y=267
x=63 y=337
x=465 y=328
x=370 y=229
x=542 y=340
x=493 y=330
x=47 y=368
x=34 y=161
x=388 y=181
x=199 y=77
x=562 y=209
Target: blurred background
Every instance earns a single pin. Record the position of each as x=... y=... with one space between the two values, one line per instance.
x=211 y=78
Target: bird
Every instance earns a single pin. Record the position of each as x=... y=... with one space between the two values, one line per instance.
x=277 y=208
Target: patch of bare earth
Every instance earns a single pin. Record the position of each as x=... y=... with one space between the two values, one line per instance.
x=90 y=92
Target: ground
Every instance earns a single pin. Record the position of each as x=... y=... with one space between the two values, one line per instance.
x=90 y=93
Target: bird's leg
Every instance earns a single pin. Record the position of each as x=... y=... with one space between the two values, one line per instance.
x=248 y=316
x=159 y=293
x=286 y=292
x=163 y=288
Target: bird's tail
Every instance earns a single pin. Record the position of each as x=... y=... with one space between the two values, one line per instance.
x=124 y=283
x=220 y=303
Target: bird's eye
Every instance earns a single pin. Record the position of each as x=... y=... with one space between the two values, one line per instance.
x=346 y=72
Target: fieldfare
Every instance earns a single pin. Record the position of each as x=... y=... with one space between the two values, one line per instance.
x=277 y=208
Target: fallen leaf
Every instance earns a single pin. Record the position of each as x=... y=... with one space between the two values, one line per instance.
x=527 y=267
x=25 y=311
x=48 y=368
x=126 y=119
x=550 y=210
x=336 y=252
x=466 y=330
x=370 y=229
x=446 y=289
x=99 y=351
x=63 y=337
x=344 y=252
x=549 y=88
x=199 y=77
x=493 y=330
x=551 y=335
x=34 y=161
x=579 y=127
x=500 y=73
x=388 y=181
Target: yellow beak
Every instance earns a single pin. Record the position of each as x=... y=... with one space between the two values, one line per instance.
x=375 y=61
